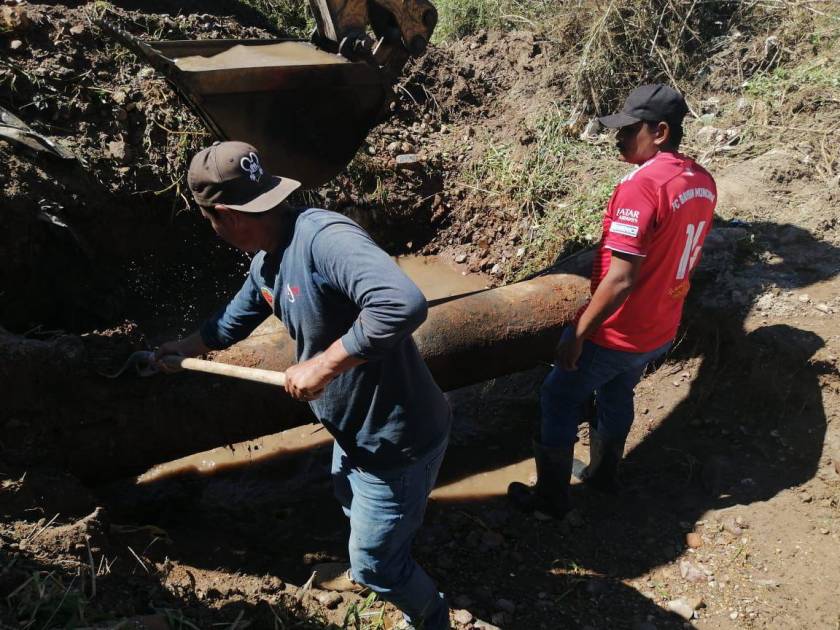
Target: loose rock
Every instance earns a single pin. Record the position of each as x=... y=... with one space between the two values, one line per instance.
x=463 y=616
x=681 y=607
x=691 y=573
x=330 y=599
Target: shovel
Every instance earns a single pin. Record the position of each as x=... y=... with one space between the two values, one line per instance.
x=143 y=364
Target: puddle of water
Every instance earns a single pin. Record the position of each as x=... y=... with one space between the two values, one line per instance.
x=267 y=448
x=269 y=55
x=437 y=279
x=485 y=485
x=434 y=277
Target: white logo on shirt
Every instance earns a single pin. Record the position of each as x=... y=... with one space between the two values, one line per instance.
x=623 y=228
x=626 y=214
x=289 y=293
x=692 y=193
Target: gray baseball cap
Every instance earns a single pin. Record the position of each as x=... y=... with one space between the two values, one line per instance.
x=231 y=174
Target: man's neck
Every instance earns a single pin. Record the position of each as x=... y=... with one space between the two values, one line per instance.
x=278 y=228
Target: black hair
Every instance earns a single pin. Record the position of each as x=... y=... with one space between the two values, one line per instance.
x=676 y=132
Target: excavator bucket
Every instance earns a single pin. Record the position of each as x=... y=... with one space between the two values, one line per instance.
x=306 y=110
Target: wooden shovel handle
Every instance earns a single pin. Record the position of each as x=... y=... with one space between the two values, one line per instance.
x=269 y=377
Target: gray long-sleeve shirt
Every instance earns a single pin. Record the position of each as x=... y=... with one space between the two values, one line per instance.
x=332 y=281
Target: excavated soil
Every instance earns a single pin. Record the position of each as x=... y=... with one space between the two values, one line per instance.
x=730 y=514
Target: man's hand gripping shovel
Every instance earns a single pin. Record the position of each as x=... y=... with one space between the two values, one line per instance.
x=143 y=363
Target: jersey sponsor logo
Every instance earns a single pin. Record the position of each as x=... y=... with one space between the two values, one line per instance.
x=292 y=292
x=627 y=214
x=268 y=295
x=623 y=228
x=679 y=291
x=692 y=193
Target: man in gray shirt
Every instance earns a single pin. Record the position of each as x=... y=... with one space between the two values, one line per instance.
x=351 y=311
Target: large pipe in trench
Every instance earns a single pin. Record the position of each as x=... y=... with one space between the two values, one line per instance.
x=464 y=340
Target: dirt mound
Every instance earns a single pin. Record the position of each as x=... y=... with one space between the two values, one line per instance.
x=132 y=140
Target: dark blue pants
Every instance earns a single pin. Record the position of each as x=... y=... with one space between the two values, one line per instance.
x=611 y=374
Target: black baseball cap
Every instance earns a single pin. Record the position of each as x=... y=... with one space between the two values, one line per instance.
x=651 y=103
x=231 y=174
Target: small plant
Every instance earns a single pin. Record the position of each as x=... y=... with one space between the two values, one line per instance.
x=459 y=18
x=44 y=601
x=544 y=184
x=291 y=17
x=362 y=615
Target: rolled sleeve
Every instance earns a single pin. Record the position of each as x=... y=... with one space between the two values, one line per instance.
x=391 y=306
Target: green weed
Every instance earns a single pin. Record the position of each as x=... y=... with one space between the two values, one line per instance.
x=559 y=183
x=44 y=601
x=291 y=17
x=458 y=18
x=822 y=73
x=367 y=178
x=363 y=616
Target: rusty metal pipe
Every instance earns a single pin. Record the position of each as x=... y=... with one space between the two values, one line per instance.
x=464 y=340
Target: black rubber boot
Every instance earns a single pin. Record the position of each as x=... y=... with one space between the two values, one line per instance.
x=551 y=494
x=604 y=460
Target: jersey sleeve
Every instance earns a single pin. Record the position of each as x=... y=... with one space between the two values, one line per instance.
x=632 y=216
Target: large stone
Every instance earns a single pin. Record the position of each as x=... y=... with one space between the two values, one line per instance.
x=681 y=607
x=463 y=616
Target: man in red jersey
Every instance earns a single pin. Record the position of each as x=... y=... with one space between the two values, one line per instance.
x=653 y=233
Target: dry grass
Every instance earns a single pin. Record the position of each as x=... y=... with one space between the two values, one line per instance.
x=559 y=185
x=459 y=18
x=631 y=42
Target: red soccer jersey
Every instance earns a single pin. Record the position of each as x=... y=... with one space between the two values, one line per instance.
x=663 y=211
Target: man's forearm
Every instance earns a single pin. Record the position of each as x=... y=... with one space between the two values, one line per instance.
x=336 y=360
x=307 y=380
x=609 y=295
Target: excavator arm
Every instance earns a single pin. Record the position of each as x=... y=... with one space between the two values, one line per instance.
x=401 y=28
x=308 y=106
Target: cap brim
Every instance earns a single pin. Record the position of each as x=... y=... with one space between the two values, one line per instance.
x=617 y=121
x=282 y=188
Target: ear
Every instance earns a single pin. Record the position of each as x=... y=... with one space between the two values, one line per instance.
x=225 y=215
x=663 y=133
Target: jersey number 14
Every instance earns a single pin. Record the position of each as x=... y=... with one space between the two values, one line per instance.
x=691 y=250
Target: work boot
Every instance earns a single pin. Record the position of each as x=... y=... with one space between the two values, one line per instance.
x=604 y=459
x=551 y=494
x=335 y=576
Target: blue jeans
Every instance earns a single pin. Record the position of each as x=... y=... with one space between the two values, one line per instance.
x=611 y=374
x=385 y=512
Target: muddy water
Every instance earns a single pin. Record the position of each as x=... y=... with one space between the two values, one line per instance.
x=485 y=485
x=270 y=55
x=437 y=279
x=269 y=448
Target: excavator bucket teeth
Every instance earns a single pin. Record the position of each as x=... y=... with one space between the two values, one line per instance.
x=307 y=111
